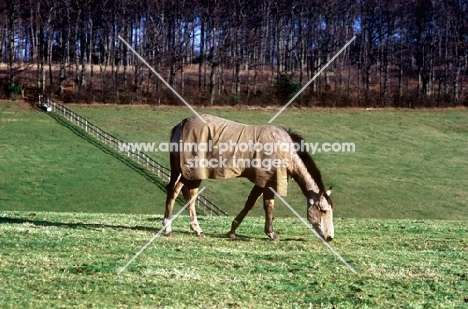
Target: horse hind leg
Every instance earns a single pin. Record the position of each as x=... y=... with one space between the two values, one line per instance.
x=173 y=190
x=190 y=191
x=254 y=195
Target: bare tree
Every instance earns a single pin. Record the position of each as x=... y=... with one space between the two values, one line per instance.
x=406 y=53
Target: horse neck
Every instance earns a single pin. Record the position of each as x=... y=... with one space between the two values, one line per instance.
x=299 y=173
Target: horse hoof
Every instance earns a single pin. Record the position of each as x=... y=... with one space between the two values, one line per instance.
x=170 y=234
x=232 y=235
x=273 y=237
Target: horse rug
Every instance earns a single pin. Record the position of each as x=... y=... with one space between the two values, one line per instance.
x=221 y=149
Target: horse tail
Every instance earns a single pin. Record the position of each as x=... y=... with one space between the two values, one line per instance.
x=174 y=129
x=174 y=157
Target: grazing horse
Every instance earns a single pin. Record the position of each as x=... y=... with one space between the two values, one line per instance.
x=219 y=148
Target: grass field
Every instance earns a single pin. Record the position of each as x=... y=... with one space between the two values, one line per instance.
x=407 y=163
x=73 y=211
x=52 y=260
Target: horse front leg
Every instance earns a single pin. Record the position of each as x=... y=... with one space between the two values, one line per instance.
x=190 y=193
x=268 y=206
x=254 y=195
x=173 y=190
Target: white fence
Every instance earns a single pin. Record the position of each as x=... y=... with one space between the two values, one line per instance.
x=113 y=142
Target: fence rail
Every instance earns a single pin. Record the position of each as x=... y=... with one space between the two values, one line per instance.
x=114 y=142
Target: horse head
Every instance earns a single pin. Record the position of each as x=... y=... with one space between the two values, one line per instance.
x=320 y=213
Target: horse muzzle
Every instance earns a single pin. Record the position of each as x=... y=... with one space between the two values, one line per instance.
x=323 y=234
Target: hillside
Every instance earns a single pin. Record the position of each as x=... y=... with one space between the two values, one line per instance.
x=407 y=163
x=73 y=211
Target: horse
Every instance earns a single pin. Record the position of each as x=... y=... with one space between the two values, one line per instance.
x=215 y=148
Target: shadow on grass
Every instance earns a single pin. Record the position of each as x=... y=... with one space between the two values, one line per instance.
x=245 y=238
x=97 y=226
x=75 y=225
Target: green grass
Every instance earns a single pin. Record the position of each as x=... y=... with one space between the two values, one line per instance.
x=48 y=165
x=61 y=245
x=407 y=163
x=52 y=260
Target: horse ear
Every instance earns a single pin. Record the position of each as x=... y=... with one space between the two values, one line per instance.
x=329 y=191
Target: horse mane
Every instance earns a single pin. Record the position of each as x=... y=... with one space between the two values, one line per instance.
x=309 y=163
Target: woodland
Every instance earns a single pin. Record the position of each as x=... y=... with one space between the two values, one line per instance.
x=411 y=53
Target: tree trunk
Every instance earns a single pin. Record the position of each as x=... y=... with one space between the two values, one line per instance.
x=202 y=54
x=214 y=67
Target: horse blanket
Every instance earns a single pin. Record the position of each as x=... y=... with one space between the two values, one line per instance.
x=220 y=149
